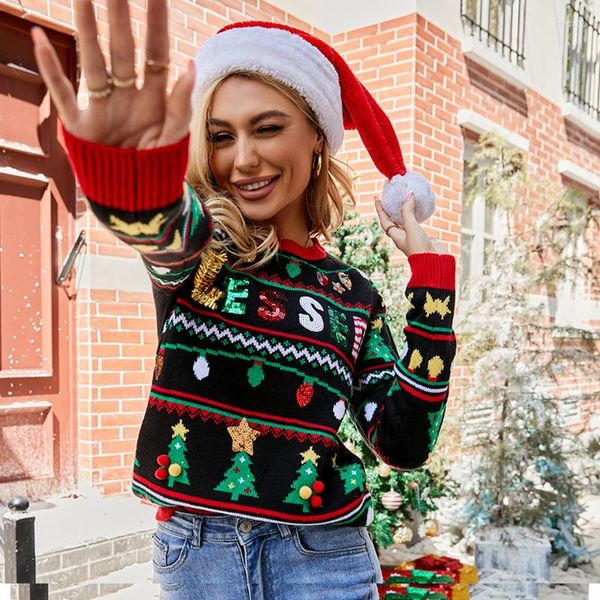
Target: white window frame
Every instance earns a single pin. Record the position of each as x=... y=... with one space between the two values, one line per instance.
x=478 y=232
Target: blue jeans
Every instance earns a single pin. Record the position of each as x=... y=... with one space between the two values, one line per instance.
x=223 y=557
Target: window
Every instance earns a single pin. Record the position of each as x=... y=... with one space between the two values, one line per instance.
x=499 y=24
x=581 y=59
x=480 y=227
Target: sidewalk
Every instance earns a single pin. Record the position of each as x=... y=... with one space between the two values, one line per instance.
x=81 y=539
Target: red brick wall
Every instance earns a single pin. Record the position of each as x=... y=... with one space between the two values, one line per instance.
x=420 y=78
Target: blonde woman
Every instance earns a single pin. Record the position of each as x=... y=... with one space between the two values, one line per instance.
x=225 y=187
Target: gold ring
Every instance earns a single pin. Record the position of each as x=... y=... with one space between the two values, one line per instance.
x=103 y=93
x=390 y=227
x=123 y=83
x=156 y=66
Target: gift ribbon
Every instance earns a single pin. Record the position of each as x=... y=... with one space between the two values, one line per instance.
x=419 y=576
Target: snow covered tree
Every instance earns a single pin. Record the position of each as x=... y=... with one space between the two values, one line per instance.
x=521 y=457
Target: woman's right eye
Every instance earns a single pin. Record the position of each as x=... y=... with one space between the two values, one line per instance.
x=216 y=137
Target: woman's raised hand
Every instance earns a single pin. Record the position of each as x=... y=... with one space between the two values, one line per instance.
x=127 y=116
x=411 y=238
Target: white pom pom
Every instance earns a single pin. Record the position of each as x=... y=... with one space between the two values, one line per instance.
x=394 y=196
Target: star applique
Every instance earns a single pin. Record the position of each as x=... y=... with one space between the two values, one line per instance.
x=378 y=323
x=311 y=455
x=180 y=430
x=243 y=437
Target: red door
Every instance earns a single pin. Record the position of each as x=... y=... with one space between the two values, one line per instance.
x=38 y=415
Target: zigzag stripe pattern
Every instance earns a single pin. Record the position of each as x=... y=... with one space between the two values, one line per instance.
x=289 y=434
x=292 y=352
x=366 y=379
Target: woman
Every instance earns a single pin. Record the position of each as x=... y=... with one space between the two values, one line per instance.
x=265 y=340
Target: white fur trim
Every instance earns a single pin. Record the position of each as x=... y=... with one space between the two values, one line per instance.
x=394 y=196
x=283 y=55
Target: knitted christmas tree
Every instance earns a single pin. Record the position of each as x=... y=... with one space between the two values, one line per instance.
x=307 y=475
x=177 y=450
x=353 y=477
x=239 y=480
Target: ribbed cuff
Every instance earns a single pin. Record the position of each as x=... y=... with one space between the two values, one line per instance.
x=430 y=269
x=127 y=178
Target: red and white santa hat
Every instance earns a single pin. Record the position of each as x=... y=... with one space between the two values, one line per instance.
x=324 y=79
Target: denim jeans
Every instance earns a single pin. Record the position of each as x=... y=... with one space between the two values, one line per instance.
x=223 y=557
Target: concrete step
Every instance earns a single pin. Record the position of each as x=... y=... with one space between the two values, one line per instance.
x=80 y=541
x=138 y=579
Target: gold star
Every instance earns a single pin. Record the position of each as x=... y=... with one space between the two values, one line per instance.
x=243 y=437
x=410 y=298
x=333 y=461
x=377 y=323
x=180 y=430
x=311 y=455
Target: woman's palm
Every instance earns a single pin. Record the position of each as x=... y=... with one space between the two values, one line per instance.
x=143 y=118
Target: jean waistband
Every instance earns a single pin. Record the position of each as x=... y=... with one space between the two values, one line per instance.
x=221 y=527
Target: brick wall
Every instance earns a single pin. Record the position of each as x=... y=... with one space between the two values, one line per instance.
x=420 y=78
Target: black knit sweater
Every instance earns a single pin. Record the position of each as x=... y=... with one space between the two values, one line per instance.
x=255 y=370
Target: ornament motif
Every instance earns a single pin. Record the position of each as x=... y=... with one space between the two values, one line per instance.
x=415 y=360
x=160 y=361
x=435 y=365
x=293 y=269
x=345 y=280
x=322 y=278
x=391 y=500
x=256 y=374
x=304 y=394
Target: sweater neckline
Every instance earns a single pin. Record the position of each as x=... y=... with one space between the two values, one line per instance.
x=314 y=252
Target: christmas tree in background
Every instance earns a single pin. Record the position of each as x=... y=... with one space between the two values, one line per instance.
x=520 y=460
x=361 y=243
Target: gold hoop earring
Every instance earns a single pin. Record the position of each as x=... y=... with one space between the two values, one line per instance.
x=319 y=165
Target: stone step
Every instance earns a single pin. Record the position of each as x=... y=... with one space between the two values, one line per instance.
x=80 y=541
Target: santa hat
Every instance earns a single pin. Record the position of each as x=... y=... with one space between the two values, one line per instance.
x=324 y=79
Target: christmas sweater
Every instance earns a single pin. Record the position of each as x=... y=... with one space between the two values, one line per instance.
x=255 y=370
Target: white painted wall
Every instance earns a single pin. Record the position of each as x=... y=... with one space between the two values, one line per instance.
x=544 y=28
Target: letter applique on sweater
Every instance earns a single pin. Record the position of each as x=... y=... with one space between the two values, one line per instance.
x=204 y=292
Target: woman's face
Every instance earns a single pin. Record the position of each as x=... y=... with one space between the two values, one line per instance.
x=257 y=135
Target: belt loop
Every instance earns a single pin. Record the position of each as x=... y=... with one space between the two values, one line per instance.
x=284 y=530
x=197 y=537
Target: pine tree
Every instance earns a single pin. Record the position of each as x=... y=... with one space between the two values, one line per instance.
x=353 y=477
x=519 y=470
x=177 y=450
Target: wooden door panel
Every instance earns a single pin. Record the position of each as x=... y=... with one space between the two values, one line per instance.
x=38 y=417
x=25 y=281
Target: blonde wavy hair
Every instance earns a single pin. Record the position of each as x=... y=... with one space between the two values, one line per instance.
x=255 y=244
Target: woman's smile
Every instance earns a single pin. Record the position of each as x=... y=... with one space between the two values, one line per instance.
x=257 y=190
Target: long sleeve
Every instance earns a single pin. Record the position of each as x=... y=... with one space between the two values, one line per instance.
x=142 y=198
x=399 y=400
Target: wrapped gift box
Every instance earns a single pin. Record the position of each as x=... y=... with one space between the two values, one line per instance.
x=433 y=562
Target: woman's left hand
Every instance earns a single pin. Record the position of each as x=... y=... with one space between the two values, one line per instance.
x=410 y=237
